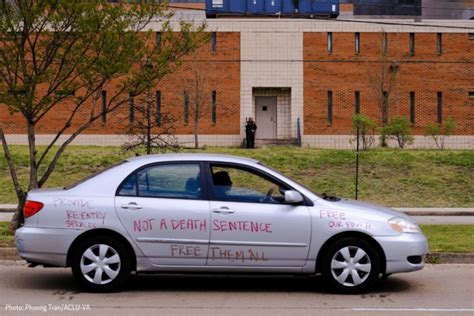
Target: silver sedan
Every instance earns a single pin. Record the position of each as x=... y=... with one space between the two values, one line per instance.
x=212 y=213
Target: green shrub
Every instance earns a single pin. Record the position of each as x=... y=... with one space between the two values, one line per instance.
x=399 y=129
x=366 y=127
x=439 y=133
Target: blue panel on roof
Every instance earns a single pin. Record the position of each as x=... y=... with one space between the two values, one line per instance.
x=273 y=6
x=255 y=6
x=290 y=6
x=214 y=7
x=325 y=7
x=305 y=6
x=237 y=6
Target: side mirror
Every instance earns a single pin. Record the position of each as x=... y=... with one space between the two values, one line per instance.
x=293 y=197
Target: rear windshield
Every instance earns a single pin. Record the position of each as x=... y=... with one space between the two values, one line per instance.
x=95 y=174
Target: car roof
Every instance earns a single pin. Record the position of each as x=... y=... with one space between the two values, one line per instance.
x=191 y=157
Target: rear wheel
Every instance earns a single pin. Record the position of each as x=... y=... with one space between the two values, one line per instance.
x=350 y=265
x=101 y=264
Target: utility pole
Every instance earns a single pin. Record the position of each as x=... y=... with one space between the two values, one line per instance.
x=357 y=166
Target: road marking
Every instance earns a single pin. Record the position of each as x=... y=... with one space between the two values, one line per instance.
x=413 y=309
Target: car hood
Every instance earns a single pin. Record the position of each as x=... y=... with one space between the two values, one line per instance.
x=373 y=208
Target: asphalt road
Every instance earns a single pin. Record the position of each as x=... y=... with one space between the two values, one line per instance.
x=436 y=290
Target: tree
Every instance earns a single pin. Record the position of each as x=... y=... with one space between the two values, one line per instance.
x=60 y=54
x=365 y=127
x=200 y=86
x=383 y=76
x=399 y=129
x=439 y=133
x=149 y=128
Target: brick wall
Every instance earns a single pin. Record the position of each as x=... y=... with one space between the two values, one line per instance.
x=426 y=72
x=223 y=67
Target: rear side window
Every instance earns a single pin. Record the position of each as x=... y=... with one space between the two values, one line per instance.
x=129 y=187
x=175 y=181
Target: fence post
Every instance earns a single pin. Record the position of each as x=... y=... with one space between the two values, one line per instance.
x=298 y=132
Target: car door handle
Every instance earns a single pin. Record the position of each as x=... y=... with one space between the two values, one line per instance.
x=223 y=210
x=131 y=206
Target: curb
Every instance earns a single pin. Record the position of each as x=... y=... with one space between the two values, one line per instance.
x=448 y=257
x=10 y=253
x=434 y=213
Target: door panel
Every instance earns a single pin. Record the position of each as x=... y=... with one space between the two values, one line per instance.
x=266 y=117
x=259 y=235
x=250 y=224
x=168 y=218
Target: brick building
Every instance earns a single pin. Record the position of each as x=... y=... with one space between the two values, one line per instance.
x=308 y=77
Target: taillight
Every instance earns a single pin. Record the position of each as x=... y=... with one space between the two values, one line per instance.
x=31 y=208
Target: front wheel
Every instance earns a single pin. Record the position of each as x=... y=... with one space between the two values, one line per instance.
x=350 y=265
x=101 y=264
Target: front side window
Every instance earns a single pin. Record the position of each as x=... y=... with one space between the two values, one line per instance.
x=173 y=181
x=238 y=184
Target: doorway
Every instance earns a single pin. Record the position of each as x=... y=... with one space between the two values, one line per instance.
x=266 y=117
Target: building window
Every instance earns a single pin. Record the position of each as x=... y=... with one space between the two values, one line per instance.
x=357 y=43
x=357 y=102
x=104 y=107
x=385 y=43
x=471 y=36
x=214 y=42
x=214 y=107
x=186 y=108
x=158 y=38
x=131 y=116
x=471 y=95
x=329 y=107
x=330 y=42
x=412 y=108
x=440 y=107
x=158 y=108
x=439 y=43
x=412 y=44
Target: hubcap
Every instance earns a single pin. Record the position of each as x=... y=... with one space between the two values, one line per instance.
x=350 y=266
x=100 y=264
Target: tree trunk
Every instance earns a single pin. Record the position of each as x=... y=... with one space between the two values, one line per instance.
x=196 y=140
x=18 y=219
x=148 y=125
x=32 y=153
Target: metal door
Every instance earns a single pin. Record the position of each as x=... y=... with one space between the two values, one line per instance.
x=266 y=117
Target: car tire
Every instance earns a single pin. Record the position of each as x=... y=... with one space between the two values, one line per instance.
x=101 y=264
x=350 y=266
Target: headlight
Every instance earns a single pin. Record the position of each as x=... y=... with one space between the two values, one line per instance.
x=401 y=225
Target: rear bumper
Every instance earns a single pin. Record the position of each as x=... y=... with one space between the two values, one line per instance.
x=47 y=246
x=398 y=248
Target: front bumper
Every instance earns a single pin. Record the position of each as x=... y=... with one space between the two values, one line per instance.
x=48 y=246
x=398 y=248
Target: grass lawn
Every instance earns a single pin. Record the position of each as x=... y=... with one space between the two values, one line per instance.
x=403 y=178
x=6 y=240
x=450 y=238
x=442 y=238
